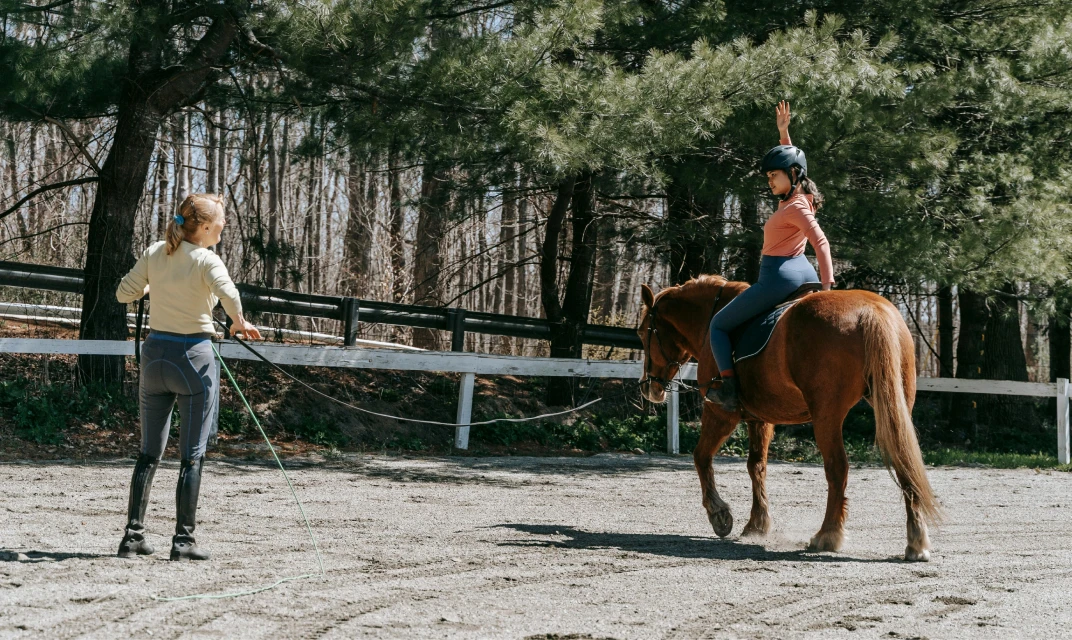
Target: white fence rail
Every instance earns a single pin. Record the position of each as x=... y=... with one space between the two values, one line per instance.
x=471 y=365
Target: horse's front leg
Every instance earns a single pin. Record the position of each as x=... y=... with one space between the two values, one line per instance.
x=759 y=438
x=715 y=427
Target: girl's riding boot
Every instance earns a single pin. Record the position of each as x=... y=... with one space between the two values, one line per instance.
x=134 y=542
x=183 y=544
x=726 y=394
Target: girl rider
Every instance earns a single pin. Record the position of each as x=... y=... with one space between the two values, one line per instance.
x=177 y=363
x=783 y=268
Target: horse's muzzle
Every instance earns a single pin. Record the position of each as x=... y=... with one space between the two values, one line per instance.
x=653 y=391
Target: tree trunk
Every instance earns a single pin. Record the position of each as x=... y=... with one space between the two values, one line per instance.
x=222 y=164
x=1004 y=359
x=150 y=91
x=211 y=149
x=357 y=250
x=945 y=332
x=13 y=177
x=549 y=296
x=317 y=183
x=271 y=258
x=686 y=242
x=164 y=207
x=970 y=354
x=36 y=210
x=945 y=346
x=571 y=315
x=990 y=347
x=751 y=251
x=506 y=287
x=521 y=293
x=606 y=268
x=627 y=287
x=398 y=248
x=181 y=154
x=1060 y=340
x=427 y=253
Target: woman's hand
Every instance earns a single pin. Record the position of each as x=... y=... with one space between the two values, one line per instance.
x=827 y=286
x=247 y=330
x=145 y=291
x=782 y=113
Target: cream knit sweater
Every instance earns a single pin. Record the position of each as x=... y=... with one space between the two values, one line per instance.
x=185 y=287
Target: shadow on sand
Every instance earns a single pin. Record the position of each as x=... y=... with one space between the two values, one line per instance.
x=10 y=555
x=673 y=546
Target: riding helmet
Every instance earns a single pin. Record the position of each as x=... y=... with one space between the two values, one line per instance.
x=785 y=157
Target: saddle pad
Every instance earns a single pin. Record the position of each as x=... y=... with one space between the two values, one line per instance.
x=752 y=337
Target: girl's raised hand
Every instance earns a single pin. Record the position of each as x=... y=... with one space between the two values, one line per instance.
x=782 y=113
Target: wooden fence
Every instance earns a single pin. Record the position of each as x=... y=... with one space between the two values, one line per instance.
x=471 y=365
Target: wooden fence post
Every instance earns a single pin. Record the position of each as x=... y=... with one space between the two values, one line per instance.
x=456 y=326
x=351 y=309
x=673 y=437
x=1062 y=421
x=465 y=411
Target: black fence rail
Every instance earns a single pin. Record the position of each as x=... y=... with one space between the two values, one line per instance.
x=348 y=311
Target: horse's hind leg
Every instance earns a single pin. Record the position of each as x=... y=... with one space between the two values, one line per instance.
x=715 y=427
x=836 y=465
x=759 y=437
x=919 y=544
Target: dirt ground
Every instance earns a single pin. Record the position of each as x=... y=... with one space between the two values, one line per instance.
x=610 y=546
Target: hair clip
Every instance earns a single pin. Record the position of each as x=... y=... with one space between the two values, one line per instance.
x=179 y=220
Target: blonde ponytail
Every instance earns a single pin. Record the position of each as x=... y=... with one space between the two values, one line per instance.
x=197 y=209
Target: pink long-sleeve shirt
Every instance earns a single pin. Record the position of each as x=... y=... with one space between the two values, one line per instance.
x=792 y=226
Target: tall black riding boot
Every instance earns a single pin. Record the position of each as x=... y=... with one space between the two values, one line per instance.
x=134 y=542
x=183 y=544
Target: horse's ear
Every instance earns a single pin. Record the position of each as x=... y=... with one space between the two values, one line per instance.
x=647 y=295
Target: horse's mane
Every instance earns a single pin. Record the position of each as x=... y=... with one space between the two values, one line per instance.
x=703 y=286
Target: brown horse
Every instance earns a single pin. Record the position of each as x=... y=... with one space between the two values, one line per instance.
x=829 y=349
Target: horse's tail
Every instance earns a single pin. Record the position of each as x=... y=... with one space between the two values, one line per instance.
x=889 y=364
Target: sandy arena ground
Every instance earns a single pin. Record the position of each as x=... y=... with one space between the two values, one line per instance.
x=604 y=547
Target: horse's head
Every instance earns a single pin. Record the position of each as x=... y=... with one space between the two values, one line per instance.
x=664 y=347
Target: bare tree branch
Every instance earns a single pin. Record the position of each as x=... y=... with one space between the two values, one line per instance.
x=75 y=141
x=47 y=187
x=41 y=233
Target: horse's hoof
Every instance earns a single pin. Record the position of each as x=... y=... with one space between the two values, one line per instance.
x=721 y=522
x=753 y=530
x=917 y=555
x=825 y=541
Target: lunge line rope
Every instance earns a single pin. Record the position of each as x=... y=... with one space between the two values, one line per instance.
x=399 y=418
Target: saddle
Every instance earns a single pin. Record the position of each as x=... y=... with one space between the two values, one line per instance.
x=751 y=337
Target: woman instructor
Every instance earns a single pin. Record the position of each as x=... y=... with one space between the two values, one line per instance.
x=178 y=365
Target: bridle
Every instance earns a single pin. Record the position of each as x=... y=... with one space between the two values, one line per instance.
x=653 y=315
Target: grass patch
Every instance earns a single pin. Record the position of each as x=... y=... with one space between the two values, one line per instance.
x=41 y=413
x=318 y=430
x=997 y=460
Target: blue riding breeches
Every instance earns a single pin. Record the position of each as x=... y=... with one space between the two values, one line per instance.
x=178 y=369
x=778 y=277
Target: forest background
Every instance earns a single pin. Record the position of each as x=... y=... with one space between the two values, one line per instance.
x=546 y=158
